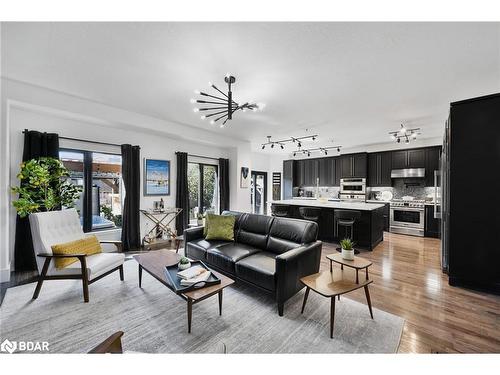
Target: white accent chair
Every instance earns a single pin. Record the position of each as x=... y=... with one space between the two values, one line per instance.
x=57 y=227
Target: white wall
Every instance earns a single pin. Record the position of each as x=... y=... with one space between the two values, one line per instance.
x=30 y=107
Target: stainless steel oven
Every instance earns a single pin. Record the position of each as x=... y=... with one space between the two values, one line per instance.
x=353 y=186
x=407 y=218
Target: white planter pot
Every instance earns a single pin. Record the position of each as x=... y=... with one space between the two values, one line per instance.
x=348 y=254
x=183 y=267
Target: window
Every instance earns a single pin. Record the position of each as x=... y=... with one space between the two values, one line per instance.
x=203 y=185
x=100 y=205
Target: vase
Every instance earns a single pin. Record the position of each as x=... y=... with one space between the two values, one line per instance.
x=184 y=266
x=348 y=254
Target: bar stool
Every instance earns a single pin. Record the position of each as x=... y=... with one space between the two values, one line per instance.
x=279 y=210
x=310 y=213
x=346 y=219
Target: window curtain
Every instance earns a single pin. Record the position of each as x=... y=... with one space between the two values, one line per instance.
x=36 y=145
x=131 y=174
x=182 y=193
x=224 y=184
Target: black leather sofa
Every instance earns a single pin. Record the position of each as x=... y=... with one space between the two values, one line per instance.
x=270 y=253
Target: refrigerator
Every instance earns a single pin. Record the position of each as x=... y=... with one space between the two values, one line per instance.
x=470 y=194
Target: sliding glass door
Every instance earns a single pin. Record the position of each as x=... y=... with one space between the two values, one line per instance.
x=203 y=184
x=258 y=191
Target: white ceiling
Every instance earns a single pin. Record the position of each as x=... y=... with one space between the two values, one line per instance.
x=352 y=82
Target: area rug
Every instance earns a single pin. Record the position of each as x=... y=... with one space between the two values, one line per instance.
x=154 y=320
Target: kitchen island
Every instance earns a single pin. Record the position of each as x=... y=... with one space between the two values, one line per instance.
x=368 y=229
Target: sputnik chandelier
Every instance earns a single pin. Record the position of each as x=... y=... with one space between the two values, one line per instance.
x=404 y=134
x=221 y=108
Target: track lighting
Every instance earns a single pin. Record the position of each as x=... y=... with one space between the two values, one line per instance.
x=308 y=154
x=404 y=133
x=338 y=149
x=326 y=152
x=294 y=154
x=281 y=143
x=263 y=146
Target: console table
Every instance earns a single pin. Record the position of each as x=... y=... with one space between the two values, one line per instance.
x=161 y=221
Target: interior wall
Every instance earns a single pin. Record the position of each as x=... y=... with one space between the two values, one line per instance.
x=21 y=110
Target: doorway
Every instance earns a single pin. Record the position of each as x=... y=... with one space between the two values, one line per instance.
x=258 y=191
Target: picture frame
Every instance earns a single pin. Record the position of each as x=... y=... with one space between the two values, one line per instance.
x=245 y=177
x=156 y=179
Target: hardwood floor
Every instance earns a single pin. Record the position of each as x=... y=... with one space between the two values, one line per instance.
x=408 y=282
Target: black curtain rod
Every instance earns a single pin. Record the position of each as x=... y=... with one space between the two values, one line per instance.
x=200 y=156
x=85 y=140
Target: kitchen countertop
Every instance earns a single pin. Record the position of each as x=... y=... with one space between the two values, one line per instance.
x=331 y=204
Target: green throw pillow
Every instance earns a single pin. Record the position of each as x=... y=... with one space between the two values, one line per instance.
x=220 y=228
x=205 y=228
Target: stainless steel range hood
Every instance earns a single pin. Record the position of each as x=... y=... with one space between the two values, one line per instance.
x=408 y=173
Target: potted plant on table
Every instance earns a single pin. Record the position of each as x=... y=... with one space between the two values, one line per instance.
x=347 y=249
x=184 y=264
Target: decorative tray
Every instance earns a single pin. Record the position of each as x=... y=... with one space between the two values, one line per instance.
x=175 y=281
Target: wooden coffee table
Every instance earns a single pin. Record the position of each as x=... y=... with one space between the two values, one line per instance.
x=154 y=263
x=358 y=263
x=333 y=284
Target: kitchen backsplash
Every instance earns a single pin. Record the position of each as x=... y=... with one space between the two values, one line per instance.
x=401 y=188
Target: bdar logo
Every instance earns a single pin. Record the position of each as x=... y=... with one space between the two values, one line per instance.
x=8 y=346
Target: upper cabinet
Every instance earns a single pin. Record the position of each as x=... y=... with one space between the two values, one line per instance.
x=432 y=164
x=375 y=167
x=354 y=165
x=408 y=159
x=288 y=178
x=379 y=169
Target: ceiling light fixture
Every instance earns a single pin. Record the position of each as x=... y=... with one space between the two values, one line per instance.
x=222 y=107
x=323 y=150
x=405 y=134
x=283 y=142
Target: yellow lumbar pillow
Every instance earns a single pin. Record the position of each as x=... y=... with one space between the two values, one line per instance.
x=89 y=245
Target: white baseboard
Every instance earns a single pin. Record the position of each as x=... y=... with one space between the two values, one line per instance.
x=5 y=274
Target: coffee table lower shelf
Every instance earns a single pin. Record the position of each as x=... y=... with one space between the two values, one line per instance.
x=154 y=263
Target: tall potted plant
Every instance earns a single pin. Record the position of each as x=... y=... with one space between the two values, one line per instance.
x=44 y=187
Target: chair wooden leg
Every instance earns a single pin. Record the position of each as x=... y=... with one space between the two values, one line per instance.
x=367 y=293
x=121 y=273
x=189 y=313
x=85 y=279
x=41 y=277
x=140 y=276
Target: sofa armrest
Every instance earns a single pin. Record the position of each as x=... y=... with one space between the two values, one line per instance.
x=117 y=243
x=294 y=264
x=192 y=234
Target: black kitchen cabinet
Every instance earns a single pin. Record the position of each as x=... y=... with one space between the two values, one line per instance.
x=326 y=171
x=432 y=164
x=432 y=225
x=354 y=165
x=379 y=169
x=338 y=171
x=288 y=178
x=414 y=158
x=310 y=171
x=298 y=175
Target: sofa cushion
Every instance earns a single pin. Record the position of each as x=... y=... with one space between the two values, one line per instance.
x=254 y=230
x=225 y=256
x=197 y=249
x=259 y=269
x=220 y=227
x=286 y=234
